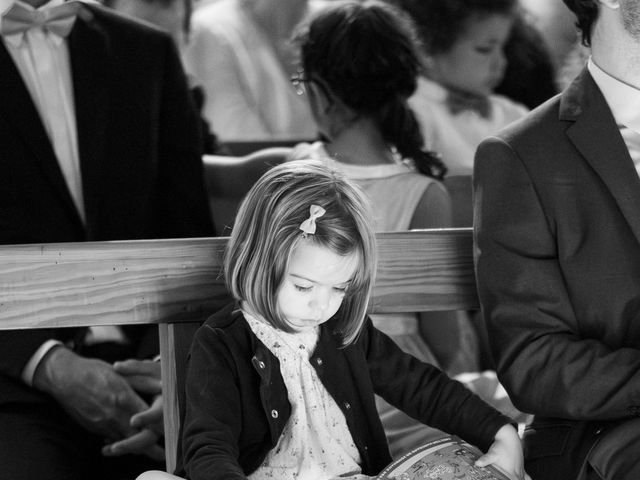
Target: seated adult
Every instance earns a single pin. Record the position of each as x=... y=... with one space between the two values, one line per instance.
x=112 y=155
x=239 y=51
x=557 y=248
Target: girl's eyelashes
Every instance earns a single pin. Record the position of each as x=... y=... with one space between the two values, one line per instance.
x=301 y=288
x=484 y=50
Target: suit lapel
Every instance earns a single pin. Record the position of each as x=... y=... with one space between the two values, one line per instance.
x=597 y=137
x=21 y=113
x=90 y=68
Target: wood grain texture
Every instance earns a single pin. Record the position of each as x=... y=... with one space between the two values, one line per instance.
x=159 y=281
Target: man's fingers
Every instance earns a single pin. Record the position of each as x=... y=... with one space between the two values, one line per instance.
x=140 y=442
x=142 y=375
x=138 y=367
x=150 y=418
x=145 y=384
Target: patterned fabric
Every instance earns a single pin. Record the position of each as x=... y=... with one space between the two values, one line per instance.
x=315 y=443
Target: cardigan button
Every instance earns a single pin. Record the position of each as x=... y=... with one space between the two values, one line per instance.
x=347 y=405
x=261 y=364
x=319 y=361
x=274 y=413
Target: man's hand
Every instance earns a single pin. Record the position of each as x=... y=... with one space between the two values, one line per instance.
x=145 y=440
x=144 y=377
x=91 y=391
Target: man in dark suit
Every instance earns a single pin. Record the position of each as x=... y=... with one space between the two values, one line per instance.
x=99 y=140
x=557 y=246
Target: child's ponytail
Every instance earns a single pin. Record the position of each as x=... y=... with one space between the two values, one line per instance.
x=400 y=128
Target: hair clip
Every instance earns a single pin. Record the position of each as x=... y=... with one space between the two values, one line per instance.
x=309 y=225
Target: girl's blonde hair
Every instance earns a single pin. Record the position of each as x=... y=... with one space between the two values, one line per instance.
x=267 y=229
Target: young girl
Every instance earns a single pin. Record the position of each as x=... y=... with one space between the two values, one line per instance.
x=281 y=383
x=464 y=61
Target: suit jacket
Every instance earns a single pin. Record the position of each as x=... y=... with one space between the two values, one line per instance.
x=557 y=247
x=139 y=146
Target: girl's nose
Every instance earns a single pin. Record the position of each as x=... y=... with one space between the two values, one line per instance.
x=321 y=302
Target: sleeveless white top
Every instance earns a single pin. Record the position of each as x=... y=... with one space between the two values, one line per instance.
x=395 y=189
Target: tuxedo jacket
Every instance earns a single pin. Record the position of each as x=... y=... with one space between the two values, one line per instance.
x=557 y=249
x=140 y=159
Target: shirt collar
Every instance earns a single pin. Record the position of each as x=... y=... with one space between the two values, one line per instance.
x=623 y=99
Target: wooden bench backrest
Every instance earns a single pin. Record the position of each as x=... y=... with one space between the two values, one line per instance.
x=177 y=284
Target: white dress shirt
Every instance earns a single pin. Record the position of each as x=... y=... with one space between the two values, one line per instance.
x=42 y=58
x=624 y=102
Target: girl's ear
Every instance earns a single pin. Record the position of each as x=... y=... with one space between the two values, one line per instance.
x=329 y=109
x=322 y=97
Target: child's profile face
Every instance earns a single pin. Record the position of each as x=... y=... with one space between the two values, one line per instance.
x=476 y=62
x=314 y=285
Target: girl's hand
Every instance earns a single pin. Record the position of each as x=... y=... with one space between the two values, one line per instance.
x=505 y=454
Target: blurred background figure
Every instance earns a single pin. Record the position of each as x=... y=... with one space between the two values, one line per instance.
x=240 y=52
x=573 y=63
x=464 y=43
x=556 y=25
x=464 y=58
x=530 y=75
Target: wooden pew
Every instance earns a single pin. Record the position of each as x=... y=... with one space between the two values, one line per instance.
x=178 y=283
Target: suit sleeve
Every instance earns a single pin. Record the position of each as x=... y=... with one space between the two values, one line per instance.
x=547 y=367
x=183 y=204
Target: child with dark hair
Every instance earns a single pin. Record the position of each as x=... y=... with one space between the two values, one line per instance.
x=360 y=64
x=455 y=102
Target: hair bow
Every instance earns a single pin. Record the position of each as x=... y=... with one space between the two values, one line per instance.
x=309 y=225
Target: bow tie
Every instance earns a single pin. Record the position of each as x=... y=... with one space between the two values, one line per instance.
x=58 y=20
x=459 y=101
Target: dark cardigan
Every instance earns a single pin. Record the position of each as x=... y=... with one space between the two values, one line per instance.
x=237 y=406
